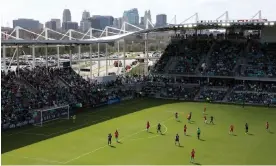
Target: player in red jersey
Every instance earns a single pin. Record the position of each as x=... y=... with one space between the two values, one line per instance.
x=116 y=134
x=176 y=116
x=267 y=126
x=192 y=156
x=185 y=129
x=148 y=126
x=205 y=119
x=231 y=129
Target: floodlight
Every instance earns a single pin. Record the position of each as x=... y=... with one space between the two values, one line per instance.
x=194 y=25
x=185 y=26
x=228 y=24
x=271 y=23
x=266 y=23
x=190 y=25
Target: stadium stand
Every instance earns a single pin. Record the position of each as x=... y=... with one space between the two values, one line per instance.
x=224 y=58
x=192 y=68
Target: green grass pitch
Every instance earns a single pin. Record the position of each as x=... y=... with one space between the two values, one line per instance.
x=85 y=142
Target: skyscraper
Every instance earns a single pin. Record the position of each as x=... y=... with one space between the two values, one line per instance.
x=58 y=22
x=66 y=16
x=161 y=20
x=100 y=22
x=147 y=17
x=51 y=24
x=85 y=23
x=69 y=25
x=27 y=24
x=131 y=16
x=85 y=15
x=142 y=21
x=118 y=22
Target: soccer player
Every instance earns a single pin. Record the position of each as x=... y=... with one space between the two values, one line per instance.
x=176 y=116
x=267 y=126
x=231 y=129
x=159 y=128
x=116 y=134
x=185 y=129
x=205 y=119
x=246 y=128
x=74 y=118
x=148 y=126
x=192 y=156
x=198 y=133
x=204 y=111
x=212 y=120
x=109 y=137
x=177 y=140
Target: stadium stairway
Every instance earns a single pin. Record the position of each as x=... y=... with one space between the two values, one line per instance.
x=171 y=64
x=198 y=94
x=62 y=82
x=25 y=83
x=229 y=91
x=239 y=62
x=206 y=58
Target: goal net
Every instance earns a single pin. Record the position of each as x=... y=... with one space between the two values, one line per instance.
x=42 y=116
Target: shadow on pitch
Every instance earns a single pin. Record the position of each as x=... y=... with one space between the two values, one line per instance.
x=271 y=132
x=112 y=146
x=234 y=135
x=201 y=139
x=86 y=116
x=196 y=163
x=188 y=135
x=119 y=142
x=251 y=134
x=181 y=146
x=150 y=132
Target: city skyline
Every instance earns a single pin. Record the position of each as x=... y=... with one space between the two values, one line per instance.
x=207 y=9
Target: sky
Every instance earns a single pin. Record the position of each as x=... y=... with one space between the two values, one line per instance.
x=183 y=9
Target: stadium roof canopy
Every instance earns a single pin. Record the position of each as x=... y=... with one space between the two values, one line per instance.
x=247 y=25
x=105 y=39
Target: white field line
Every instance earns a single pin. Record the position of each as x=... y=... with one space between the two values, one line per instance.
x=35 y=159
x=58 y=162
x=62 y=131
x=46 y=160
x=95 y=150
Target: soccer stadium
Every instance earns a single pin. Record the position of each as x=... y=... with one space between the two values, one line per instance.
x=200 y=93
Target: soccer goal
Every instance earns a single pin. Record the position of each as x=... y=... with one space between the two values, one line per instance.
x=42 y=116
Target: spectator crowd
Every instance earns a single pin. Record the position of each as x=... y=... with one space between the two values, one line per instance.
x=51 y=87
